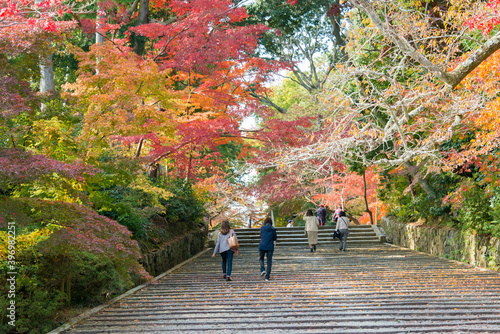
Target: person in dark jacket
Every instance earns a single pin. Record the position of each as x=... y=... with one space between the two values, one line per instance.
x=321 y=214
x=266 y=247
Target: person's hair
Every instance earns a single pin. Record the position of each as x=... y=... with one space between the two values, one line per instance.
x=341 y=214
x=224 y=227
x=268 y=220
x=321 y=205
x=309 y=213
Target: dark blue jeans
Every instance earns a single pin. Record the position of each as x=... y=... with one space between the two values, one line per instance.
x=227 y=259
x=269 y=261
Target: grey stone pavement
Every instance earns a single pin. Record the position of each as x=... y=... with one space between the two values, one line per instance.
x=370 y=289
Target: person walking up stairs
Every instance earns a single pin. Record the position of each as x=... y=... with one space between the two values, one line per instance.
x=312 y=224
x=266 y=247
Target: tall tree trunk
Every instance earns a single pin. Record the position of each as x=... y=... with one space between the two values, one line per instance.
x=188 y=169
x=342 y=195
x=99 y=38
x=340 y=42
x=143 y=17
x=68 y=287
x=47 y=81
x=139 y=147
x=366 y=198
x=143 y=11
x=152 y=170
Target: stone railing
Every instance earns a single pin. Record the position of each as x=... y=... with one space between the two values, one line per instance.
x=481 y=251
x=174 y=252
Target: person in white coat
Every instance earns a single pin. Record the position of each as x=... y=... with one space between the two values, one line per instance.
x=311 y=229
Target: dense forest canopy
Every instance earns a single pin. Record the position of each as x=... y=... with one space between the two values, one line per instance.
x=120 y=124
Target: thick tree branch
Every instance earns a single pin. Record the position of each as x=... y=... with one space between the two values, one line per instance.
x=139 y=148
x=267 y=101
x=402 y=43
x=453 y=78
x=413 y=170
x=132 y=8
x=339 y=39
x=474 y=60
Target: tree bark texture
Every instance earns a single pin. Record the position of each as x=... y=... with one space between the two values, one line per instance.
x=366 y=199
x=47 y=81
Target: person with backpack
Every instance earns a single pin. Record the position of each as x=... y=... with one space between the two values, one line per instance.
x=222 y=246
x=266 y=247
x=343 y=228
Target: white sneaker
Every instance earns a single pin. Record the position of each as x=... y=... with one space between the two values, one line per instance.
x=262 y=273
x=267 y=280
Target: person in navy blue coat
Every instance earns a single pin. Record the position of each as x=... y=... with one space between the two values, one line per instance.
x=266 y=247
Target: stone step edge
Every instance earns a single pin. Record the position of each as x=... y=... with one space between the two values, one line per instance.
x=373 y=230
x=331 y=242
x=300 y=237
x=245 y=321
x=320 y=242
x=272 y=326
x=302 y=227
x=301 y=231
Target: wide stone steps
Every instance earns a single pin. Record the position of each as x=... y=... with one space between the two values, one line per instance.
x=295 y=236
x=371 y=289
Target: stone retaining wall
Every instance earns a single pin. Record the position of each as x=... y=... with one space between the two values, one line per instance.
x=462 y=246
x=174 y=253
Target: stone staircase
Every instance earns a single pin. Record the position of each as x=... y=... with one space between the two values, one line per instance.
x=372 y=289
x=295 y=236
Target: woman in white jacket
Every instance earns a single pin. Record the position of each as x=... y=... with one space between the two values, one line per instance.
x=311 y=229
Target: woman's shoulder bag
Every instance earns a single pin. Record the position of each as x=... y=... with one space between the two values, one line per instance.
x=232 y=241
